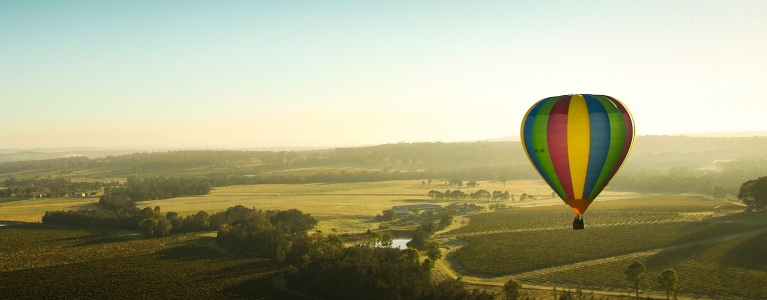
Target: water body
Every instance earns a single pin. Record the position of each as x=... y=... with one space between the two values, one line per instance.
x=399 y=243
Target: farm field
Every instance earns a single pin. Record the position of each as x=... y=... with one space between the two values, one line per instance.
x=731 y=268
x=345 y=207
x=50 y=262
x=530 y=241
x=342 y=207
x=685 y=233
x=32 y=210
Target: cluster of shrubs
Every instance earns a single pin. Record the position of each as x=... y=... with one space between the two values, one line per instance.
x=331 y=271
x=275 y=234
x=152 y=222
x=160 y=187
x=478 y=195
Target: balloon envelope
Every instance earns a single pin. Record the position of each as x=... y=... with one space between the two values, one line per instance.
x=577 y=143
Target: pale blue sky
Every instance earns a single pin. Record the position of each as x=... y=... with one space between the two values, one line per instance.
x=181 y=74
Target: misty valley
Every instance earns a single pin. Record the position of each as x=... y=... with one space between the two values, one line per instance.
x=684 y=218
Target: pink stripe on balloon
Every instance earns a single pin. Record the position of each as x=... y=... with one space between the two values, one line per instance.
x=557 y=142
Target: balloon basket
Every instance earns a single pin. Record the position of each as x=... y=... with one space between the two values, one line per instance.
x=578 y=224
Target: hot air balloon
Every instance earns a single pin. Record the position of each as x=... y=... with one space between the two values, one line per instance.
x=577 y=143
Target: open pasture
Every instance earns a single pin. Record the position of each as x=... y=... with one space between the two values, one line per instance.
x=345 y=207
x=50 y=262
x=32 y=210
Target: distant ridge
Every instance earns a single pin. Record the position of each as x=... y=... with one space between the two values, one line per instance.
x=726 y=134
x=694 y=134
x=505 y=139
x=16 y=154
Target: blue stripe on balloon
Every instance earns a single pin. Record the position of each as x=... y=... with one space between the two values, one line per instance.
x=599 y=143
x=537 y=111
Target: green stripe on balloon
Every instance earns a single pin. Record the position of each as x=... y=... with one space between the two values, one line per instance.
x=617 y=140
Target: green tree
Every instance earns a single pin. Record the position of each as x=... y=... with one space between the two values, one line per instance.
x=175 y=221
x=445 y=220
x=386 y=239
x=155 y=227
x=635 y=274
x=419 y=238
x=197 y=222
x=435 y=194
x=481 y=195
x=456 y=181
x=667 y=281
x=410 y=257
x=512 y=289
x=457 y=195
x=433 y=254
x=371 y=239
x=432 y=250
x=389 y=215
x=753 y=193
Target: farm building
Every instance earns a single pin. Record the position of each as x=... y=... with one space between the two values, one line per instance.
x=405 y=210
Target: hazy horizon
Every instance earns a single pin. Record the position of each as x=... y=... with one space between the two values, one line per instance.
x=271 y=74
x=303 y=148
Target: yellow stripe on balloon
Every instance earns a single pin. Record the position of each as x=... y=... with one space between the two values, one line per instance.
x=578 y=139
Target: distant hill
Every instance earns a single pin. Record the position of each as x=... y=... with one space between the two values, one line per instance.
x=9 y=155
x=516 y=138
x=658 y=163
x=649 y=151
x=727 y=134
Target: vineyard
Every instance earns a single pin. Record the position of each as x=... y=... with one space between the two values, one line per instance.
x=716 y=250
x=732 y=269
x=44 y=262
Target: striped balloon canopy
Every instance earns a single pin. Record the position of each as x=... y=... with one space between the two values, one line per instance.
x=577 y=143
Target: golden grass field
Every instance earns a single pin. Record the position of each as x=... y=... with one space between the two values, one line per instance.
x=32 y=210
x=346 y=207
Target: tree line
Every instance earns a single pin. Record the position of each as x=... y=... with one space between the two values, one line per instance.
x=119 y=209
x=479 y=195
x=658 y=164
x=47 y=187
x=159 y=187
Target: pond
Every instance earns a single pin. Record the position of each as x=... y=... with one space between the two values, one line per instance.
x=399 y=243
